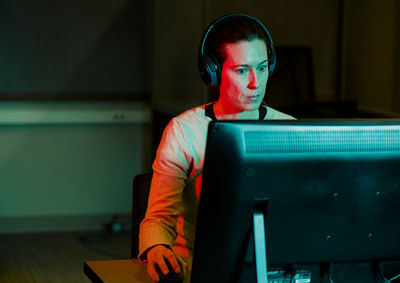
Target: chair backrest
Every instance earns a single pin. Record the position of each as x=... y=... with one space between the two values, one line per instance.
x=140 y=195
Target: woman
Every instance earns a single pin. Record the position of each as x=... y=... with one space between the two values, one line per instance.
x=236 y=58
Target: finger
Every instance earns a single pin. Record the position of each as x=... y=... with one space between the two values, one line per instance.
x=172 y=258
x=160 y=261
x=155 y=257
x=182 y=263
x=152 y=271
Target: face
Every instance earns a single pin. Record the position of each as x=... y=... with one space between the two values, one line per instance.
x=244 y=75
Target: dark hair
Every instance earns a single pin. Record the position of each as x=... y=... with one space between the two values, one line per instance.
x=233 y=30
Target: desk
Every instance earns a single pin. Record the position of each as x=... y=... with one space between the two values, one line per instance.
x=121 y=271
x=117 y=271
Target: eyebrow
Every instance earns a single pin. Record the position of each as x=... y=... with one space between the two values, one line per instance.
x=247 y=65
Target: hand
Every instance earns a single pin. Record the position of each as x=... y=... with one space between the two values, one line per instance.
x=158 y=255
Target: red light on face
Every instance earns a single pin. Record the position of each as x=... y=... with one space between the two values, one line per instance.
x=244 y=75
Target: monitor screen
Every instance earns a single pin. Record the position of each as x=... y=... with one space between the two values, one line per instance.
x=329 y=191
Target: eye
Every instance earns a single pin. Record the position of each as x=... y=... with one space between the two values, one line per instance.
x=241 y=71
x=262 y=68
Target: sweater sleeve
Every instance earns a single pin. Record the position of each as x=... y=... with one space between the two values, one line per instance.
x=170 y=170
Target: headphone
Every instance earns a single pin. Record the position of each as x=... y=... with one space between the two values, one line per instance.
x=210 y=69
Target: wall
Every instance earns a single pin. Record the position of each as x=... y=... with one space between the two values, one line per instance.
x=177 y=29
x=61 y=173
x=373 y=57
x=66 y=165
x=73 y=48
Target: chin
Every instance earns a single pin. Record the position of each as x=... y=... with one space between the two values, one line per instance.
x=251 y=106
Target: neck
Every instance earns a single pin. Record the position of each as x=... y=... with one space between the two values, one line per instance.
x=226 y=111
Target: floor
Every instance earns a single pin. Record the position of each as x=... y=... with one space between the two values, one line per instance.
x=56 y=257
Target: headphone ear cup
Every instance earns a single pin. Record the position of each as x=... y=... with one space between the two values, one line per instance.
x=209 y=70
x=271 y=59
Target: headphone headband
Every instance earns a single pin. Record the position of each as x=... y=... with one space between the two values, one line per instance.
x=209 y=67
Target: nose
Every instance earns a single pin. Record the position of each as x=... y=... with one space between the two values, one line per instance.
x=253 y=80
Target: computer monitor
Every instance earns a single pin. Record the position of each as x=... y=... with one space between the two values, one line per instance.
x=329 y=191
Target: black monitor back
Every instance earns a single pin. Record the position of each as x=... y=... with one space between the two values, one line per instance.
x=331 y=189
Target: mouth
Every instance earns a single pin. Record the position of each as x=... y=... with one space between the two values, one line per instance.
x=252 y=98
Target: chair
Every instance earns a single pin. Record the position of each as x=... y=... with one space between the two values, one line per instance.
x=140 y=195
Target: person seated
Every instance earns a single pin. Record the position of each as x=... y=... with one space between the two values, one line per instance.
x=236 y=58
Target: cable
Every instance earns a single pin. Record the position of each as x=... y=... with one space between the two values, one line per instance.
x=330 y=271
x=376 y=267
x=292 y=271
x=380 y=272
x=292 y=275
x=395 y=277
x=382 y=275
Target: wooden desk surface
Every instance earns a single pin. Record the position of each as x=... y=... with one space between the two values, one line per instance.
x=117 y=271
x=121 y=271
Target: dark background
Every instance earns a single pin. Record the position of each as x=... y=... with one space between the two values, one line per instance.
x=147 y=50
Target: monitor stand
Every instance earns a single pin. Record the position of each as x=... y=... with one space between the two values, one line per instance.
x=260 y=246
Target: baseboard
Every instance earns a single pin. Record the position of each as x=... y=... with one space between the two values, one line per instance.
x=30 y=224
